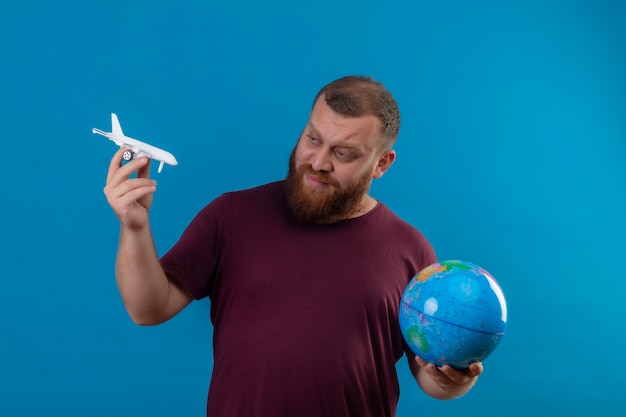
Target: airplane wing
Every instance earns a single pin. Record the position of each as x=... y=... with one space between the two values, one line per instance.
x=152 y=152
x=109 y=135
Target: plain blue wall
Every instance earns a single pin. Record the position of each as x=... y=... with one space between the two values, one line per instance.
x=511 y=156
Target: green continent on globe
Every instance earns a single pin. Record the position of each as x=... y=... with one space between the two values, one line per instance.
x=457 y=264
x=416 y=335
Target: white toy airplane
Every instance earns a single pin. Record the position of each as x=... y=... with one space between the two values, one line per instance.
x=136 y=147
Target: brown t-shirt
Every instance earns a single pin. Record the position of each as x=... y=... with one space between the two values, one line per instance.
x=305 y=316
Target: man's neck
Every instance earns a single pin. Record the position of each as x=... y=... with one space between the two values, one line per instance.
x=368 y=203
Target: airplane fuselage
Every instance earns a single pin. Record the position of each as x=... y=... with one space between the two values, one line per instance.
x=137 y=147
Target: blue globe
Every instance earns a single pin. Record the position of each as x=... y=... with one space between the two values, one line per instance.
x=453 y=312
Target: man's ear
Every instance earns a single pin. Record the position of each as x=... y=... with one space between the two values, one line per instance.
x=384 y=162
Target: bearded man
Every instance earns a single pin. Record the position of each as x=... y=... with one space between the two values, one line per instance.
x=304 y=275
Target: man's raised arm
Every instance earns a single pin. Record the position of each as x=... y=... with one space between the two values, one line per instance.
x=149 y=296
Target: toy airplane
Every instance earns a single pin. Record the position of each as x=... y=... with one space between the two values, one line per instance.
x=136 y=147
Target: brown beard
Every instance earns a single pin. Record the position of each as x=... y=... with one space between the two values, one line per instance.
x=322 y=206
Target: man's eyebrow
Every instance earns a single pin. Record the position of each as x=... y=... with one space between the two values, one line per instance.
x=316 y=132
x=313 y=129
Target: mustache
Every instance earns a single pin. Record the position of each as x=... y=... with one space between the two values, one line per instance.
x=322 y=176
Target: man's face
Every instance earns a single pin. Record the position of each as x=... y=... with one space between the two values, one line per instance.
x=332 y=165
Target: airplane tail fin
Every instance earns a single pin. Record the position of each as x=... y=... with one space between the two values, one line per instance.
x=116 y=128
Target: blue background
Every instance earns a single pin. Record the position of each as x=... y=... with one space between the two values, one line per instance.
x=511 y=156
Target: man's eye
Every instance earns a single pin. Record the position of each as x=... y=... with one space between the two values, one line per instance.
x=344 y=155
x=313 y=139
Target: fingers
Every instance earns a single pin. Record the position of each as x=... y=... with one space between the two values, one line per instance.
x=130 y=190
x=462 y=376
x=421 y=362
x=447 y=375
x=118 y=172
x=431 y=370
x=130 y=198
x=118 y=181
x=144 y=171
x=116 y=163
x=476 y=369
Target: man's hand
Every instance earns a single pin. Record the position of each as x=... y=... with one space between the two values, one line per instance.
x=444 y=382
x=130 y=198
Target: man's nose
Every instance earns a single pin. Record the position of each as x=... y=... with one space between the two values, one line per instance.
x=321 y=161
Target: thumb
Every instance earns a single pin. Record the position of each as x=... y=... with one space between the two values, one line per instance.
x=144 y=169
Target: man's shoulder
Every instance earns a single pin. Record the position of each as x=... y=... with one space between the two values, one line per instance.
x=392 y=217
x=397 y=225
x=248 y=198
x=270 y=190
x=408 y=237
x=268 y=196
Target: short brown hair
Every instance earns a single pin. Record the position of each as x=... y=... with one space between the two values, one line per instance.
x=357 y=95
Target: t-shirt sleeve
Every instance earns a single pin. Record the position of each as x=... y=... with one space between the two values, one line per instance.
x=192 y=261
x=422 y=253
x=429 y=256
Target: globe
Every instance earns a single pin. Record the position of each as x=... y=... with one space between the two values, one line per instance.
x=453 y=312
